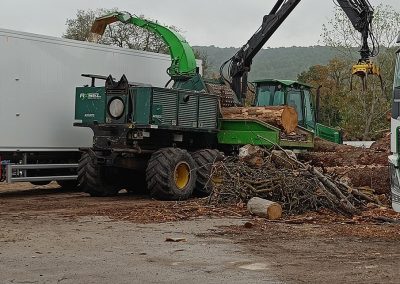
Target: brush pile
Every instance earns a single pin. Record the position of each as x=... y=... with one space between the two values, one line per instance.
x=278 y=176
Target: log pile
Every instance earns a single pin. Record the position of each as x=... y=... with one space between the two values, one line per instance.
x=298 y=188
x=362 y=167
x=283 y=117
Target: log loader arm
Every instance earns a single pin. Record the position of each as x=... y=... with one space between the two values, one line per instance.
x=360 y=13
x=183 y=70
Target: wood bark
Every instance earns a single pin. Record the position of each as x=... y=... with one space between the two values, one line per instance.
x=283 y=117
x=264 y=208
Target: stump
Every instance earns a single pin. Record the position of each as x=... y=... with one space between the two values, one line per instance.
x=264 y=208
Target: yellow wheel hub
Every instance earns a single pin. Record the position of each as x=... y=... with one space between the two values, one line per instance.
x=182 y=175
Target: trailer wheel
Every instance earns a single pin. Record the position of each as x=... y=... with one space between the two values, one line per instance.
x=95 y=181
x=205 y=160
x=171 y=174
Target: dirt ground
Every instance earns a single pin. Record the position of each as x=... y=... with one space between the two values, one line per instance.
x=49 y=235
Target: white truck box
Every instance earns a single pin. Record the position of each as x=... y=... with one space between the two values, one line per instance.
x=38 y=76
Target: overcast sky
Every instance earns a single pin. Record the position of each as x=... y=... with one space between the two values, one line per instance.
x=222 y=23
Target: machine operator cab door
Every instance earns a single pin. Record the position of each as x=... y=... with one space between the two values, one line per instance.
x=273 y=92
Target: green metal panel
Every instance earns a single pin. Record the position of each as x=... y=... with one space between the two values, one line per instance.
x=171 y=107
x=165 y=107
x=208 y=111
x=247 y=131
x=188 y=109
x=90 y=104
x=328 y=133
x=142 y=105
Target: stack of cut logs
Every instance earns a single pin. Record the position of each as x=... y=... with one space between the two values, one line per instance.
x=283 y=117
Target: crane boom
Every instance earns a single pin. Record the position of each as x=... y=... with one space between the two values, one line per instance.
x=359 y=12
x=240 y=63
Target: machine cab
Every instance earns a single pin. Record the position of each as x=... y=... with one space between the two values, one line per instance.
x=273 y=92
x=285 y=92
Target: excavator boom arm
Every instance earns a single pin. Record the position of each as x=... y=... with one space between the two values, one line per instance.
x=242 y=60
x=359 y=12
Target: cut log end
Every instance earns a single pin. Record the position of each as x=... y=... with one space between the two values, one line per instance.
x=264 y=208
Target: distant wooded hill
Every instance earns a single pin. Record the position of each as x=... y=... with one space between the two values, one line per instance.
x=277 y=63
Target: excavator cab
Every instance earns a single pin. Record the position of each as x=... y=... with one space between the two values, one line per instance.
x=271 y=92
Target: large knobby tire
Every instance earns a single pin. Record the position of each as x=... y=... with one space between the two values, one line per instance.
x=171 y=174
x=95 y=181
x=204 y=160
x=81 y=181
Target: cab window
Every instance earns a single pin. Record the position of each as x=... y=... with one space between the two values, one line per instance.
x=294 y=100
x=279 y=98
x=264 y=95
x=309 y=112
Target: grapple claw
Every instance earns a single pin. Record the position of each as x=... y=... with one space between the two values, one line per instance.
x=363 y=69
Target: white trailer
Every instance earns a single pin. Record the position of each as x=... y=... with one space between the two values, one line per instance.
x=38 y=76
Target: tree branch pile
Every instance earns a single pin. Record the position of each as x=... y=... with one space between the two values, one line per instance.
x=296 y=186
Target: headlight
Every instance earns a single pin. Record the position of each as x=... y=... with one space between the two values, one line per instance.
x=116 y=108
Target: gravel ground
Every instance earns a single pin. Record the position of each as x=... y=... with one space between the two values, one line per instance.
x=51 y=235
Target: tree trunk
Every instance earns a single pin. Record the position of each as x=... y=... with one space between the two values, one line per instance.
x=264 y=208
x=283 y=117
